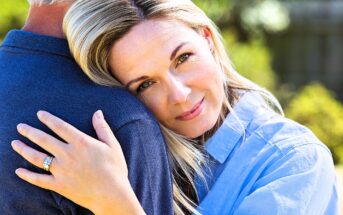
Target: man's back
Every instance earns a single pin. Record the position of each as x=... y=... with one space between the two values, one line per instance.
x=38 y=73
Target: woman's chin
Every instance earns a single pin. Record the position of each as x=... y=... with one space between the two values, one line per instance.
x=195 y=130
x=191 y=134
x=195 y=133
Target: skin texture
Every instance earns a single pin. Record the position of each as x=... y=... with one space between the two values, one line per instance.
x=174 y=85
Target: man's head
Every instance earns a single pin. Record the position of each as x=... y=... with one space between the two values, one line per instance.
x=46 y=17
x=46 y=2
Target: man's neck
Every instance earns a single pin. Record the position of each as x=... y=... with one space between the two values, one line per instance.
x=46 y=20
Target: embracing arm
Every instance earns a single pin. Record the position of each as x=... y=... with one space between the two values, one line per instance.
x=90 y=172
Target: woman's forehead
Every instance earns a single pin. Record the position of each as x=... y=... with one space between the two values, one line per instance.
x=151 y=40
x=153 y=31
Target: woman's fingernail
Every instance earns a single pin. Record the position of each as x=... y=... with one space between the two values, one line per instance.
x=19 y=172
x=21 y=126
x=40 y=114
x=99 y=114
x=15 y=144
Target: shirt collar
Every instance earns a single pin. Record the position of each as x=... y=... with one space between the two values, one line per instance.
x=37 y=42
x=235 y=125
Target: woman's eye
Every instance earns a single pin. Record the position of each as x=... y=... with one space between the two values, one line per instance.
x=183 y=58
x=144 y=86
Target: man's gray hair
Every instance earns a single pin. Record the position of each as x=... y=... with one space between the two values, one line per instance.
x=47 y=2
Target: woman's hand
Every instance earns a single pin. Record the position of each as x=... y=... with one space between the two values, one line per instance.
x=90 y=172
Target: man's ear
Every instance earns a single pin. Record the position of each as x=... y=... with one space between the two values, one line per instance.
x=206 y=33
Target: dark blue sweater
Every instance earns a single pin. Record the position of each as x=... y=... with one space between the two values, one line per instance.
x=38 y=73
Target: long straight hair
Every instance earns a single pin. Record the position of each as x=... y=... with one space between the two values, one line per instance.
x=93 y=26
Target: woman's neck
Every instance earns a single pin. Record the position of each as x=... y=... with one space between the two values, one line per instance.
x=232 y=100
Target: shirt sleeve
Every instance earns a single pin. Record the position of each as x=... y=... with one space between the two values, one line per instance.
x=302 y=181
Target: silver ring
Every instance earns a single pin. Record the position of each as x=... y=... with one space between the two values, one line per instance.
x=47 y=163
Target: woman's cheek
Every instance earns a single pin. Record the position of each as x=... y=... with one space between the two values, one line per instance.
x=156 y=105
x=205 y=72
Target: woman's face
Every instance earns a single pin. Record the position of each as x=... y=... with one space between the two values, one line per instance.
x=170 y=67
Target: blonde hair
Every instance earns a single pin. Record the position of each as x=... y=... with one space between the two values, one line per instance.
x=93 y=26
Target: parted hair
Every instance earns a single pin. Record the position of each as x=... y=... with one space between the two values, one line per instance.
x=93 y=26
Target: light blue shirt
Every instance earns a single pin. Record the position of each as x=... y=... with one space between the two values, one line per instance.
x=264 y=164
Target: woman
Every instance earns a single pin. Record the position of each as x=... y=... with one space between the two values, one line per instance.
x=230 y=150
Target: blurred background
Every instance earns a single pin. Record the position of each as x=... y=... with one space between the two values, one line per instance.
x=294 y=48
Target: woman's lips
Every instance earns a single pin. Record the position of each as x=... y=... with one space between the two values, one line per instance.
x=196 y=111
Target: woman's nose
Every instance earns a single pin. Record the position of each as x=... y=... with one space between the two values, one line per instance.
x=178 y=91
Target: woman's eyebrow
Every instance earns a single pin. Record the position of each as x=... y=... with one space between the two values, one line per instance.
x=136 y=80
x=172 y=56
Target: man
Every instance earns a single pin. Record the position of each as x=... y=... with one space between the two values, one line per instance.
x=37 y=72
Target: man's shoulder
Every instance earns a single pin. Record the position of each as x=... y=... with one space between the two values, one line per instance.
x=57 y=83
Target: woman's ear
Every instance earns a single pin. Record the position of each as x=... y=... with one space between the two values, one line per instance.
x=206 y=33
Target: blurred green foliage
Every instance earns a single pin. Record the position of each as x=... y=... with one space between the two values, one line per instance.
x=12 y=15
x=316 y=108
x=251 y=59
x=249 y=54
x=216 y=10
x=249 y=18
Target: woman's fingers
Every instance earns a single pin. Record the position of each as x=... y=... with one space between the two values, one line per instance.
x=106 y=135
x=40 y=180
x=102 y=129
x=63 y=129
x=42 y=139
x=31 y=155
